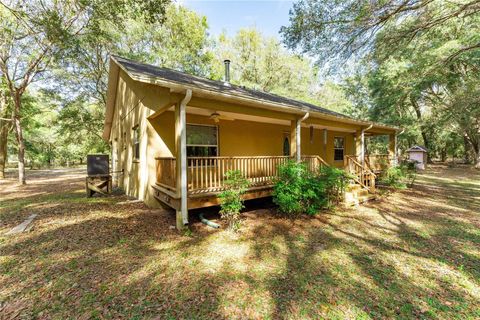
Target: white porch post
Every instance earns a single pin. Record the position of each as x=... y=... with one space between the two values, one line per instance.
x=296 y=134
x=181 y=160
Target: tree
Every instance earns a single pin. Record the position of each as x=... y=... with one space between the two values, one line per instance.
x=5 y=126
x=419 y=67
x=79 y=118
x=35 y=35
x=180 y=41
x=262 y=63
x=339 y=29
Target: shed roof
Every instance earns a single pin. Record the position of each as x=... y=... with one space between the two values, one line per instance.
x=417 y=148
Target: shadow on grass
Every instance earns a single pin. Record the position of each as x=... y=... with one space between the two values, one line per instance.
x=98 y=259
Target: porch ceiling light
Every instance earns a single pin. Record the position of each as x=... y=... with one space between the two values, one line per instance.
x=217 y=117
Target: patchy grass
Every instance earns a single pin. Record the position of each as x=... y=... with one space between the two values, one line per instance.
x=413 y=254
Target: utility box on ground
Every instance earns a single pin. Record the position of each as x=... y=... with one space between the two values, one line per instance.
x=98 y=175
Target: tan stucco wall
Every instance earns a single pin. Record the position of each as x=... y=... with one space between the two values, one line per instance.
x=246 y=138
x=134 y=103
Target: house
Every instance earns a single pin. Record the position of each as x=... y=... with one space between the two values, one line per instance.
x=174 y=135
x=418 y=154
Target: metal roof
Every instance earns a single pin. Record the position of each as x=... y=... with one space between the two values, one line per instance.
x=146 y=70
x=152 y=74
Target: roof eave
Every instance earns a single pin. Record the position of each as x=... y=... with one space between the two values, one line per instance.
x=288 y=108
x=111 y=98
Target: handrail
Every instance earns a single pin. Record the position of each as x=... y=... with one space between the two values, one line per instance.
x=208 y=173
x=316 y=157
x=362 y=175
x=241 y=157
x=360 y=165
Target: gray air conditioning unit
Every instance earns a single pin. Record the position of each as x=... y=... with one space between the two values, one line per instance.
x=97 y=164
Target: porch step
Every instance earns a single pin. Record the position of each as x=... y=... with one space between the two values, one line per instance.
x=355 y=194
x=351 y=200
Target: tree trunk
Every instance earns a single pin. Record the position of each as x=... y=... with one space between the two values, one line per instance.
x=418 y=112
x=477 y=155
x=20 y=141
x=4 y=128
x=3 y=148
x=466 y=147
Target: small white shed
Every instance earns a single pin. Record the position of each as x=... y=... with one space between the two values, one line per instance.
x=419 y=155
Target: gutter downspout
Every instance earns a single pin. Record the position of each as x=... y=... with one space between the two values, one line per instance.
x=182 y=154
x=298 y=141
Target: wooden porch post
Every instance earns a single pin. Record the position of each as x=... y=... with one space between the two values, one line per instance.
x=296 y=133
x=298 y=140
x=324 y=143
x=360 y=145
x=293 y=138
x=392 y=148
x=181 y=160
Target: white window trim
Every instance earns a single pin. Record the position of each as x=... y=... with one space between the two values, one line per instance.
x=136 y=141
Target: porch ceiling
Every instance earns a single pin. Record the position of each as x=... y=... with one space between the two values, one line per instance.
x=232 y=116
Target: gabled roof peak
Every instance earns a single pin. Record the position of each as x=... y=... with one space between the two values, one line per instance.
x=417 y=148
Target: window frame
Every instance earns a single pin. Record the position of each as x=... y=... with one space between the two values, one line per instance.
x=136 y=143
x=204 y=145
x=342 y=148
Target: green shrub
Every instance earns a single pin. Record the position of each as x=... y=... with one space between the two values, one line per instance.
x=231 y=201
x=394 y=177
x=299 y=191
x=335 y=182
x=289 y=187
x=410 y=170
x=400 y=176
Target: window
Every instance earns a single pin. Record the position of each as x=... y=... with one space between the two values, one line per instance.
x=202 y=140
x=338 y=147
x=136 y=143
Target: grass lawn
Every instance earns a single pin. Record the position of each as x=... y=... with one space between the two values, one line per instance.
x=413 y=254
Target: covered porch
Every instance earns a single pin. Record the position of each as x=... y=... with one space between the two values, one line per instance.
x=203 y=139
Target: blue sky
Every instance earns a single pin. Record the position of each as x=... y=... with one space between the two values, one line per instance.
x=231 y=15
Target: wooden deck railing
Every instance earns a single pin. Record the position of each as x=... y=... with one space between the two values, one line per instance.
x=362 y=174
x=207 y=174
x=166 y=172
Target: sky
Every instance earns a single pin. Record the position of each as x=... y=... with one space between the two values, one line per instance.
x=231 y=15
